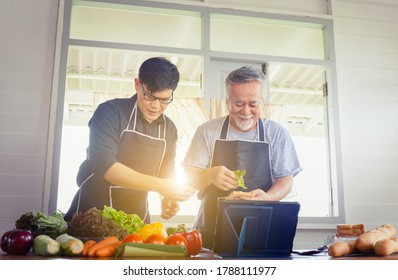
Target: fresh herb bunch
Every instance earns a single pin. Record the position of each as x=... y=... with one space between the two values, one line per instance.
x=241 y=181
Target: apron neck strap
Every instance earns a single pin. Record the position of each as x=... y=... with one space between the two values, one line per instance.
x=133 y=121
x=133 y=115
x=225 y=128
x=162 y=128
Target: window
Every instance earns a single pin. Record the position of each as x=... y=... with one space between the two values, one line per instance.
x=101 y=56
x=135 y=25
x=264 y=36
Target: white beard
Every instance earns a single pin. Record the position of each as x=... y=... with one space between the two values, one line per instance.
x=245 y=124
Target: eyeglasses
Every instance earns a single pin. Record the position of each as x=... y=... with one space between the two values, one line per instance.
x=149 y=97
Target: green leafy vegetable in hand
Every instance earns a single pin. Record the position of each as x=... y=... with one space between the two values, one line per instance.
x=241 y=180
x=131 y=222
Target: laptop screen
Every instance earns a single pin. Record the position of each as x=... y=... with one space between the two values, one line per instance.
x=255 y=228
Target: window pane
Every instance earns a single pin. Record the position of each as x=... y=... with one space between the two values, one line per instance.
x=267 y=37
x=136 y=25
x=113 y=71
x=296 y=101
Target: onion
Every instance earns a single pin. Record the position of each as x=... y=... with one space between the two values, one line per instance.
x=17 y=242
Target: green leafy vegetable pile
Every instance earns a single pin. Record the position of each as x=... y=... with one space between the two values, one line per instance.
x=103 y=223
x=241 y=180
x=92 y=224
x=131 y=222
x=39 y=223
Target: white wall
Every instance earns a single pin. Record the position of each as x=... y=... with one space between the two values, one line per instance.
x=366 y=37
x=367 y=58
x=366 y=40
x=27 y=35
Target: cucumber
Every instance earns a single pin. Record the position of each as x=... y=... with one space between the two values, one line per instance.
x=69 y=245
x=139 y=250
x=44 y=245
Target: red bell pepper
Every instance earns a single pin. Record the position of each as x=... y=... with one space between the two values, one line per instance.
x=194 y=240
x=193 y=237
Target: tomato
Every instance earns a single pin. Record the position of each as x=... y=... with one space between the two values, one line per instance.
x=176 y=239
x=156 y=239
x=194 y=239
x=134 y=237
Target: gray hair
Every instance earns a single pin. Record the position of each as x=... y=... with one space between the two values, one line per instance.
x=244 y=74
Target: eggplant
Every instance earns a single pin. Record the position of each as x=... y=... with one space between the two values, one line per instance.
x=17 y=242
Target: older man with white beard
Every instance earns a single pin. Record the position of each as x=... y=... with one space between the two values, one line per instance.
x=240 y=141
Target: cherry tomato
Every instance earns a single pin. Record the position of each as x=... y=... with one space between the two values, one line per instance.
x=134 y=237
x=177 y=239
x=155 y=239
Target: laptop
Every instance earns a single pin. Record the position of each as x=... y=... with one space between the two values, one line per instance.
x=255 y=228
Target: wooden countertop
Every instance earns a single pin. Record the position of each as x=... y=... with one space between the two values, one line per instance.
x=205 y=255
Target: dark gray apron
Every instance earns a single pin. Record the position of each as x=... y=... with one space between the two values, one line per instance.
x=138 y=151
x=252 y=156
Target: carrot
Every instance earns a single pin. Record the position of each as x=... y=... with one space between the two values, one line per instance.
x=87 y=245
x=109 y=240
x=108 y=250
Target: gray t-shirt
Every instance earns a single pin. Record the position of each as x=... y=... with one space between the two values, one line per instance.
x=284 y=159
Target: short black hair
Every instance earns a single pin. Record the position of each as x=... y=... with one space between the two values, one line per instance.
x=158 y=73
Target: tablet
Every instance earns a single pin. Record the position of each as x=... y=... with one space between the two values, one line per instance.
x=247 y=228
